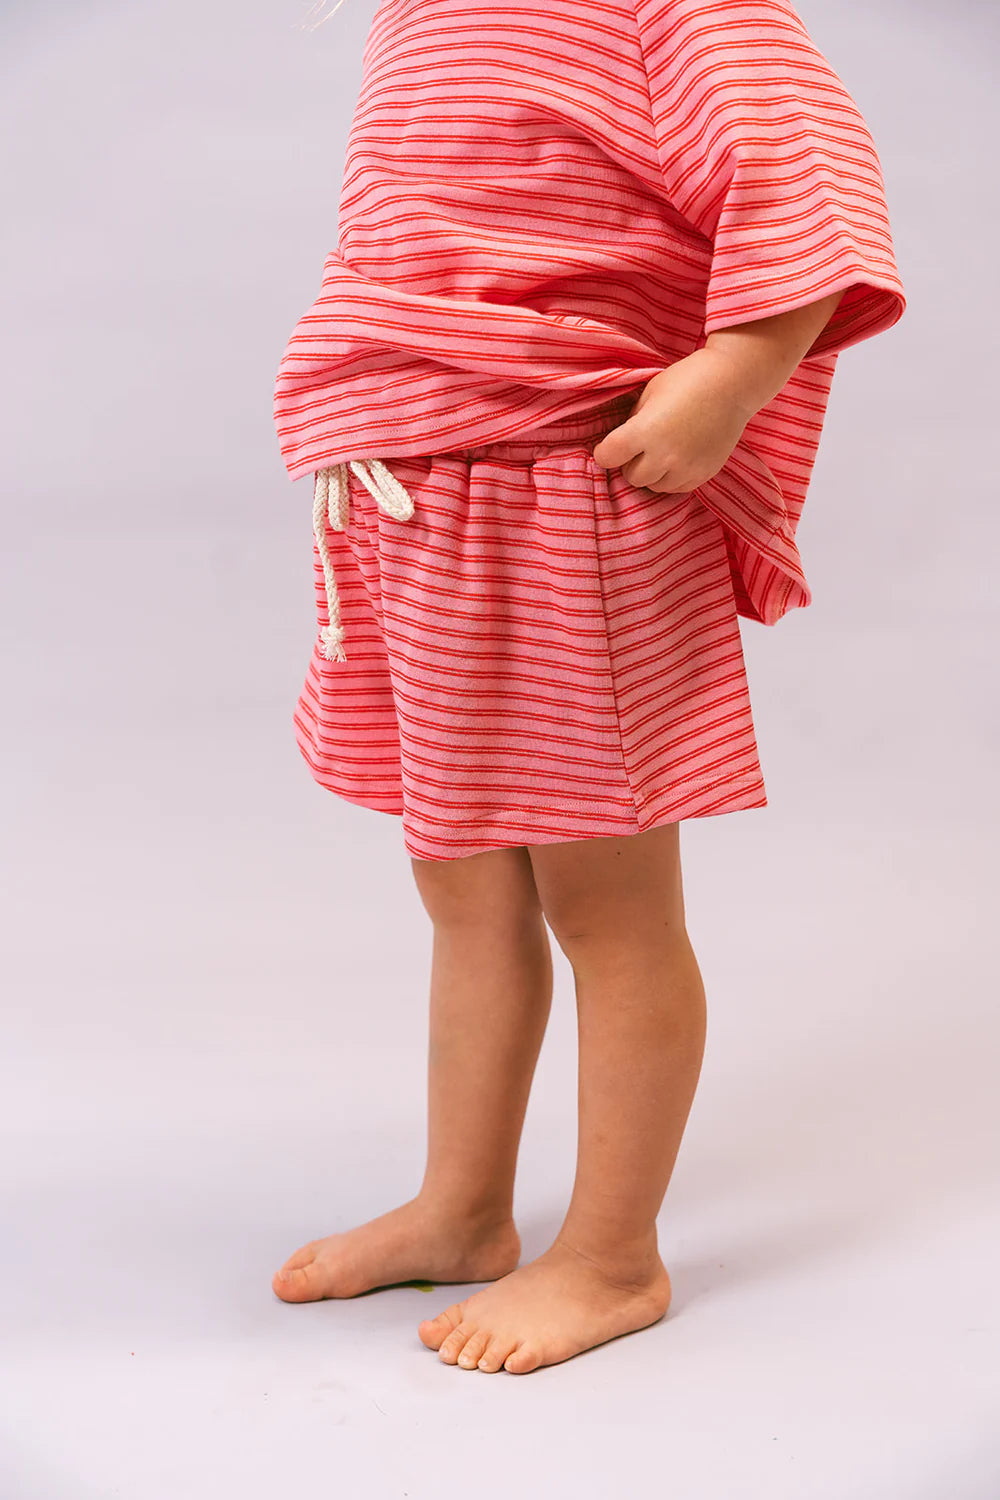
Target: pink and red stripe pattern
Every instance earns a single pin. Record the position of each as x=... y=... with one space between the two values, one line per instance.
x=542 y=652
x=543 y=206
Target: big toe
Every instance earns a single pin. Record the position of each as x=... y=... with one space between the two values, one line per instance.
x=434 y=1331
x=300 y=1279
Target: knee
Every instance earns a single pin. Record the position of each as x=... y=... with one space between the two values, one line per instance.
x=602 y=907
x=588 y=933
x=494 y=889
x=575 y=916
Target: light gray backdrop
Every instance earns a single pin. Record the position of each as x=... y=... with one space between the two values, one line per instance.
x=215 y=973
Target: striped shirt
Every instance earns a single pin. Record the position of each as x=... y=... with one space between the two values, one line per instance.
x=544 y=205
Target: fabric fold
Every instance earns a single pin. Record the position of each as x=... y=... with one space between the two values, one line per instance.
x=545 y=207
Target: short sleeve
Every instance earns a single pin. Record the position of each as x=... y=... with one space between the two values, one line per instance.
x=763 y=150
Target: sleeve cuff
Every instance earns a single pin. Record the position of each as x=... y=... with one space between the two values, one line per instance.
x=870 y=305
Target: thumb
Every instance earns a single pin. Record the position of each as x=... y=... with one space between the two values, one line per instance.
x=617 y=446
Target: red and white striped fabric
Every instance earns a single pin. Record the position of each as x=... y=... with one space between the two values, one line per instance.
x=541 y=652
x=541 y=208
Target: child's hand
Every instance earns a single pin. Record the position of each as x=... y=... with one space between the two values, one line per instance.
x=685 y=424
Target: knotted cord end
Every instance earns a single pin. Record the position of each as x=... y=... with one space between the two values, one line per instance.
x=332 y=637
x=331 y=508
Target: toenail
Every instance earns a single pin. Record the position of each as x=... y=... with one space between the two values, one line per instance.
x=466 y=1360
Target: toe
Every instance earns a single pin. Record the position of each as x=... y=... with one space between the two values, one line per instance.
x=301 y=1258
x=300 y=1283
x=296 y=1281
x=474 y=1348
x=434 y=1331
x=492 y=1356
x=455 y=1343
x=522 y=1359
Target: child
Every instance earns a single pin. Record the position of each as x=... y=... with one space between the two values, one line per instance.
x=561 y=394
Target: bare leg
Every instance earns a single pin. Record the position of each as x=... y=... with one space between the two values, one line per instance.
x=490 y=996
x=490 y=1003
x=616 y=908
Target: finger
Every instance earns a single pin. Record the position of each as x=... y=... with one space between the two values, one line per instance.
x=617 y=447
x=668 y=486
x=646 y=471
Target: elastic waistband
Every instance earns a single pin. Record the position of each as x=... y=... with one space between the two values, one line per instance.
x=565 y=432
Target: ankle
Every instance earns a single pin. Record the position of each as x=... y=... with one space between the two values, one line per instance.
x=470 y=1208
x=634 y=1261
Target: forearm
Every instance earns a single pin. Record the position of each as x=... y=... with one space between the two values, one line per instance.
x=758 y=357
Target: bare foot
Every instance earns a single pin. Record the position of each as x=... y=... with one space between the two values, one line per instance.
x=410 y=1243
x=545 y=1312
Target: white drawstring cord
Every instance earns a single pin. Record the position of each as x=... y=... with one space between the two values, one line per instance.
x=330 y=503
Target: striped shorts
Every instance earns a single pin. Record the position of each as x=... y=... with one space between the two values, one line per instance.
x=541 y=652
